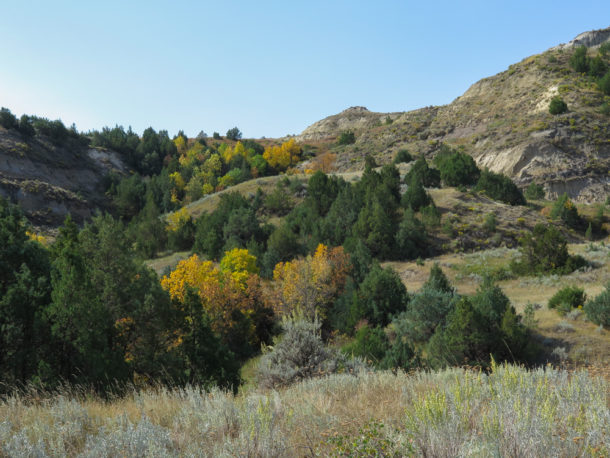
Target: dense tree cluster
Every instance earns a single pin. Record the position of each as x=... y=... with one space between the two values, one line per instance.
x=46 y=129
x=86 y=311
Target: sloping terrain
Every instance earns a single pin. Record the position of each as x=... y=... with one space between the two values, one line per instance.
x=49 y=181
x=502 y=121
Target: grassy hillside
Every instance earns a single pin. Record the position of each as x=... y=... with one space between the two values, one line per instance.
x=502 y=121
x=510 y=412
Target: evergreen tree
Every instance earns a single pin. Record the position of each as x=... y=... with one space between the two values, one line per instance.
x=24 y=293
x=411 y=238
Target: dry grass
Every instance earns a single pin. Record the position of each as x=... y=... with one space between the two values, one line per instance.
x=448 y=413
x=161 y=264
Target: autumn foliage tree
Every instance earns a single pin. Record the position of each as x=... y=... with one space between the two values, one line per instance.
x=231 y=296
x=306 y=287
x=283 y=156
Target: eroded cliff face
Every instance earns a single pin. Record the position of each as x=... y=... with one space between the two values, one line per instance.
x=49 y=181
x=502 y=121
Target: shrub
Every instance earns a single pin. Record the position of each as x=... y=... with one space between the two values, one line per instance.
x=567 y=298
x=216 y=136
x=534 y=192
x=458 y=169
x=430 y=215
x=579 y=60
x=598 y=67
x=370 y=343
x=544 y=250
x=490 y=222
x=403 y=156
x=605 y=109
x=346 y=138
x=604 y=83
x=300 y=354
x=557 y=106
x=598 y=309
x=566 y=211
x=500 y=187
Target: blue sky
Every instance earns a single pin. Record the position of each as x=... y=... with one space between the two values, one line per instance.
x=269 y=67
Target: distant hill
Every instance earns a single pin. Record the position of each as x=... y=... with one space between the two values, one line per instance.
x=502 y=121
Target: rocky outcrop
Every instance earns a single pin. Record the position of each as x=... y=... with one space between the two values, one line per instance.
x=588 y=39
x=354 y=118
x=49 y=181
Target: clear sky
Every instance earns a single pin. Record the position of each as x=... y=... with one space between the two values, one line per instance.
x=269 y=67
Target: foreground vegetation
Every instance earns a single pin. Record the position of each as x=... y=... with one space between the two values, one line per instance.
x=455 y=412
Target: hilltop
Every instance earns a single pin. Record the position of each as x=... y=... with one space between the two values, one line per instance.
x=503 y=122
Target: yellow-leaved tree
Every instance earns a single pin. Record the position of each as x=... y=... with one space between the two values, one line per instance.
x=240 y=264
x=177 y=219
x=283 y=156
x=307 y=287
x=238 y=310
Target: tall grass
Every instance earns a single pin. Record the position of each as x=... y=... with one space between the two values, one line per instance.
x=456 y=412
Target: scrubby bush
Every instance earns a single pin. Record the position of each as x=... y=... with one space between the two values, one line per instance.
x=579 y=60
x=500 y=187
x=346 y=138
x=565 y=210
x=300 y=354
x=370 y=343
x=490 y=222
x=403 y=156
x=557 y=106
x=545 y=250
x=567 y=298
x=598 y=67
x=598 y=309
x=458 y=169
x=604 y=83
x=534 y=192
x=430 y=215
